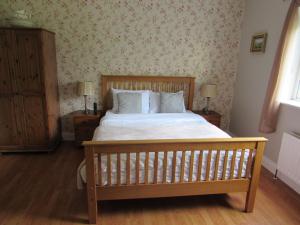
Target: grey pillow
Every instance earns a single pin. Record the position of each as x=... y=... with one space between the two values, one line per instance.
x=172 y=102
x=114 y=93
x=130 y=102
x=154 y=102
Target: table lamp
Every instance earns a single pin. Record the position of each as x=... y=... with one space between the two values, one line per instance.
x=85 y=88
x=208 y=91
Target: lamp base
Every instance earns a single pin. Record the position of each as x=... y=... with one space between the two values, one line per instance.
x=85 y=106
x=205 y=110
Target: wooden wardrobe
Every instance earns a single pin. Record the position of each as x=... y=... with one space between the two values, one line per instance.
x=29 y=104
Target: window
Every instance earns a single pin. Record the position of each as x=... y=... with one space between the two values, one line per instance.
x=296 y=61
x=290 y=86
x=296 y=94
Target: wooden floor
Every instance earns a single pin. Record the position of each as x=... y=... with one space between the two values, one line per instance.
x=41 y=189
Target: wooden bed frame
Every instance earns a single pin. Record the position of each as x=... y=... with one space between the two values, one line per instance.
x=97 y=149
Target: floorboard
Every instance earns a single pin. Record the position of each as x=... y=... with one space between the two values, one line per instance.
x=40 y=189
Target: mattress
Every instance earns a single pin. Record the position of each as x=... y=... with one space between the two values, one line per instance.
x=160 y=126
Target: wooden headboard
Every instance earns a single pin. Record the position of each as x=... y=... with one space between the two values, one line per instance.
x=154 y=83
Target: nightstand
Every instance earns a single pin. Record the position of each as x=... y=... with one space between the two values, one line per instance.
x=85 y=125
x=213 y=117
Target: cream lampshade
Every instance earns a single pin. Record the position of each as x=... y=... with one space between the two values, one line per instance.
x=208 y=91
x=85 y=88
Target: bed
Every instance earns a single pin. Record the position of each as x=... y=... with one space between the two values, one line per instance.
x=163 y=154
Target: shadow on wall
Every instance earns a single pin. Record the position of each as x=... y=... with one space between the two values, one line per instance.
x=68 y=125
x=68 y=91
x=69 y=99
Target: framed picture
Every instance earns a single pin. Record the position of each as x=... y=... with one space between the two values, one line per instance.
x=258 y=43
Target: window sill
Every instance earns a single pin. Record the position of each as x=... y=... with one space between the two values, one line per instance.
x=292 y=103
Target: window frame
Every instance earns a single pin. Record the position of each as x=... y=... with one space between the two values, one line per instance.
x=296 y=88
x=295 y=94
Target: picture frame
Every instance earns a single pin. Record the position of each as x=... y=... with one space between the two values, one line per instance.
x=259 y=42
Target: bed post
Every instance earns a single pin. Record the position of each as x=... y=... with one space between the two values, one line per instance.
x=191 y=93
x=255 y=176
x=91 y=184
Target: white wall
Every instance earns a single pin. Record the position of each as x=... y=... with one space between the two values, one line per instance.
x=253 y=75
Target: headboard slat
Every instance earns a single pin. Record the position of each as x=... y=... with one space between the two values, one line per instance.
x=154 y=83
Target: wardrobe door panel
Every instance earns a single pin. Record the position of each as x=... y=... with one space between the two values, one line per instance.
x=28 y=62
x=9 y=134
x=5 y=75
x=34 y=120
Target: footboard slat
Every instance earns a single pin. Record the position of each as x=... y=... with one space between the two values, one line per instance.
x=128 y=168
x=99 y=170
x=241 y=164
x=191 y=166
x=232 y=165
x=182 y=166
x=200 y=160
x=167 y=181
x=137 y=167
x=146 y=167
x=165 y=167
x=174 y=166
x=208 y=166
x=155 y=167
x=118 y=169
x=217 y=165
x=108 y=169
x=249 y=163
x=225 y=165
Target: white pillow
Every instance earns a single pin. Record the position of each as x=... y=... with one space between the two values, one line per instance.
x=114 y=92
x=172 y=102
x=154 y=102
x=133 y=102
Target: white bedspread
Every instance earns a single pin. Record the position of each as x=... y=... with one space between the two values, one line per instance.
x=155 y=126
x=159 y=126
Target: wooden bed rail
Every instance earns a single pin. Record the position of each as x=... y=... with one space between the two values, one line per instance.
x=195 y=172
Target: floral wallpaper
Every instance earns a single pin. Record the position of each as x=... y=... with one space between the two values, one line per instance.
x=197 y=38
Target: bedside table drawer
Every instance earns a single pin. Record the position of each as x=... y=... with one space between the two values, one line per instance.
x=86 y=122
x=212 y=117
x=84 y=133
x=215 y=122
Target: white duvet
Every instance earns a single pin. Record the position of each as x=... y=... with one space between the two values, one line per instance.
x=155 y=126
x=159 y=126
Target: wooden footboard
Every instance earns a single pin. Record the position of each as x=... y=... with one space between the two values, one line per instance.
x=97 y=190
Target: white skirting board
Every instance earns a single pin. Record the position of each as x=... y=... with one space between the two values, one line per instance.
x=289 y=182
x=271 y=166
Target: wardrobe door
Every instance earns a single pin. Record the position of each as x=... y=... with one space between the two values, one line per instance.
x=9 y=134
x=8 y=126
x=28 y=76
x=30 y=87
x=6 y=80
x=34 y=120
